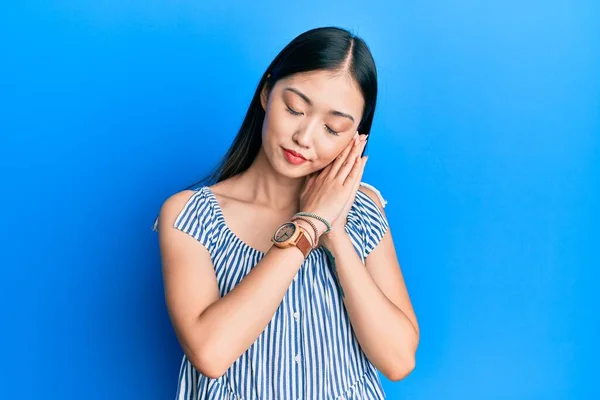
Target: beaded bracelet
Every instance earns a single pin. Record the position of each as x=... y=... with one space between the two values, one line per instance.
x=313 y=226
x=323 y=220
x=326 y=250
x=303 y=229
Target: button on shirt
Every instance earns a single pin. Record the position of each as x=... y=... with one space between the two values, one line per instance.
x=308 y=350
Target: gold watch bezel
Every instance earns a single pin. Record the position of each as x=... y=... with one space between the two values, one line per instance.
x=294 y=239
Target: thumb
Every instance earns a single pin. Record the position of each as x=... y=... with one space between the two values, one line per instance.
x=355 y=187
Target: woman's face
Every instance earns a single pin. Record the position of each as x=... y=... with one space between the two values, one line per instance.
x=315 y=114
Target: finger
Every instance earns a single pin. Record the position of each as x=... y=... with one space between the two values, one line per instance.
x=356 y=185
x=357 y=171
x=349 y=163
x=359 y=176
x=355 y=177
x=341 y=158
x=325 y=171
x=354 y=172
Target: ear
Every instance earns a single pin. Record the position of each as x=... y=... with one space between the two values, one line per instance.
x=264 y=98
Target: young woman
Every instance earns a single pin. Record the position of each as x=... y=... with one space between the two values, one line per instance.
x=281 y=279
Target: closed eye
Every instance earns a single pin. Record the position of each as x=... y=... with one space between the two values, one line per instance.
x=293 y=112
x=331 y=131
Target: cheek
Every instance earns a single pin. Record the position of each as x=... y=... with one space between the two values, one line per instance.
x=276 y=126
x=327 y=153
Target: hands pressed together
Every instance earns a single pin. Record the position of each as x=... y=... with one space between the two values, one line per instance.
x=330 y=193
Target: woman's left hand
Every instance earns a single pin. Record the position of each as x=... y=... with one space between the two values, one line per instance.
x=337 y=228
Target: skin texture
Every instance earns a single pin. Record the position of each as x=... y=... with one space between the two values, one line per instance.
x=215 y=331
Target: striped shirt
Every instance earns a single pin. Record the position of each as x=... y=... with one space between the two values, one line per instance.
x=308 y=350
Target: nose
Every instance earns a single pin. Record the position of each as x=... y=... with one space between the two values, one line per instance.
x=304 y=136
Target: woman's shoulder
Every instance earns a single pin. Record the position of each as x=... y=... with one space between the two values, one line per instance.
x=373 y=193
x=367 y=218
x=179 y=202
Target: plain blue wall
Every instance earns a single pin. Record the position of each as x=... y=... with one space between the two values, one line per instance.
x=485 y=144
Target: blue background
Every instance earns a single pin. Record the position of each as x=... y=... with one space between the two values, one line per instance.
x=485 y=144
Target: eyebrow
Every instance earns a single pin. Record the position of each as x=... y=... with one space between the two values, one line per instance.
x=306 y=99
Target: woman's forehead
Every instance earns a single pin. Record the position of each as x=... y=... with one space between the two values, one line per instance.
x=326 y=88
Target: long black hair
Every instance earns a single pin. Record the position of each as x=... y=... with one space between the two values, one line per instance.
x=325 y=48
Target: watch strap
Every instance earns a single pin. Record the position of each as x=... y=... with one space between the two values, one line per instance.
x=303 y=241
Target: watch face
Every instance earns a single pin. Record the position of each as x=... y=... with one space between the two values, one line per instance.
x=284 y=232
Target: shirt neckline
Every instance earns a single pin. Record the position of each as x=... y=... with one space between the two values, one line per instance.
x=221 y=218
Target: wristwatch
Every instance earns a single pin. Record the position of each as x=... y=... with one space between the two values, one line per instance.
x=291 y=234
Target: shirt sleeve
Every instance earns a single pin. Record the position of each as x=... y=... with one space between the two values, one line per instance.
x=377 y=192
x=197 y=219
x=374 y=223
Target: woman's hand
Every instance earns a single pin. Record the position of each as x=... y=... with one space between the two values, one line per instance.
x=331 y=192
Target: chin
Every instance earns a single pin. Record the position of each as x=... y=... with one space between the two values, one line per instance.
x=289 y=171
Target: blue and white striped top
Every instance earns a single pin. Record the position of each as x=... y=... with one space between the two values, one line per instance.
x=308 y=350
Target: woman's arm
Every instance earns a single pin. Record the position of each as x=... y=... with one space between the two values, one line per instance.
x=215 y=331
x=378 y=303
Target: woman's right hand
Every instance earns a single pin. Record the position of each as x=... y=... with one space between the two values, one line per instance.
x=327 y=192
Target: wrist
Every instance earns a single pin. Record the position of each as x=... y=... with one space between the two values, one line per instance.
x=319 y=221
x=321 y=225
x=309 y=231
x=313 y=224
x=338 y=240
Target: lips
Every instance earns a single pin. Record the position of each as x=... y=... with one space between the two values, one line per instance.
x=293 y=157
x=295 y=154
